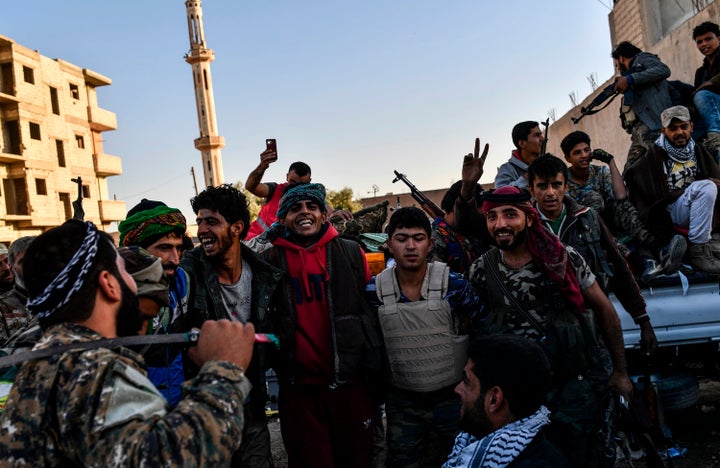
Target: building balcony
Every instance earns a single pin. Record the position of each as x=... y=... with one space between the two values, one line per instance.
x=101 y=120
x=112 y=210
x=6 y=98
x=209 y=143
x=107 y=165
x=10 y=158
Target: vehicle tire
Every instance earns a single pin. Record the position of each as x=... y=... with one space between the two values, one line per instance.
x=677 y=391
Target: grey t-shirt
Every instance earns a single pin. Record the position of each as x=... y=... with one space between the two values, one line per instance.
x=237 y=297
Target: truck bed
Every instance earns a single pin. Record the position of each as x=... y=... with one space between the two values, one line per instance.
x=680 y=315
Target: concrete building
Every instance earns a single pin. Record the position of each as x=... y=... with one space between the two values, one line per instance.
x=661 y=27
x=51 y=133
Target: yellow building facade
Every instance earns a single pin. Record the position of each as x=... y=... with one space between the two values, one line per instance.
x=51 y=134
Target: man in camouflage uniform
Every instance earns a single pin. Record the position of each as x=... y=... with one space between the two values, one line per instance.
x=13 y=310
x=603 y=189
x=96 y=406
x=536 y=287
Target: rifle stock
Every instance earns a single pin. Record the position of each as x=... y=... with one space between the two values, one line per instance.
x=428 y=205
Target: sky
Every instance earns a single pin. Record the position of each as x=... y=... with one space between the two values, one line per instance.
x=355 y=89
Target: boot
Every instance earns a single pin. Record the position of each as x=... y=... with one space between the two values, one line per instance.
x=672 y=254
x=701 y=256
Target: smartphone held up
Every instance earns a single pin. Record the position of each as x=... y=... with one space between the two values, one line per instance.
x=271 y=144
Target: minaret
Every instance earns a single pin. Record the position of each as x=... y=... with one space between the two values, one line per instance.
x=199 y=59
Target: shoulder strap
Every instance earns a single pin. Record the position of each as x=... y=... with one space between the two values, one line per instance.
x=385 y=287
x=491 y=261
x=437 y=281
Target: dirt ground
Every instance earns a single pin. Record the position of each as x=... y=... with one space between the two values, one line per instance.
x=696 y=429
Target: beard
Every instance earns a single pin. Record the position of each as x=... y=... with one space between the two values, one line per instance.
x=129 y=319
x=518 y=239
x=474 y=421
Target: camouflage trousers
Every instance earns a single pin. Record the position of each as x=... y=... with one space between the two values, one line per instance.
x=421 y=427
x=641 y=138
x=626 y=220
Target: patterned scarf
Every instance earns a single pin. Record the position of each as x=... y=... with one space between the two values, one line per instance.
x=145 y=224
x=500 y=448
x=681 y=155
x=546 y=250
x=680 y=165
x=70 y=279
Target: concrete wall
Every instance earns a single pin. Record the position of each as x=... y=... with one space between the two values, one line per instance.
x=639 y=21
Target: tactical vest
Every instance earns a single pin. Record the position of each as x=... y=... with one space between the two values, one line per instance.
x=424 y=351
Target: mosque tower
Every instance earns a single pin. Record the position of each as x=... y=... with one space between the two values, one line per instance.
x=199 y=58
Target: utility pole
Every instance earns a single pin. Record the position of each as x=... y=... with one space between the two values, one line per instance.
x=199 y=58
x=192 y=171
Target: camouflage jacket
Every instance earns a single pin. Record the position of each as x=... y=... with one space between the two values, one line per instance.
x=97 y=408
x=13 y=313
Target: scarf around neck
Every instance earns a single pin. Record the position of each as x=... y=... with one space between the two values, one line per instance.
x=681 y=155
x=497 y=449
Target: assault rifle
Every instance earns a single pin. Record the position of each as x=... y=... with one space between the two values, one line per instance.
x=543 y=146
x=78 y=212
x=592 y=108
x=428 y=205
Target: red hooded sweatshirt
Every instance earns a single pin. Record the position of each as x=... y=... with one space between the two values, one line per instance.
x=307 y=268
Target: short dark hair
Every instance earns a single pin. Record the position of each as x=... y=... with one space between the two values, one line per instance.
x=625 y=49
x=545 y=167
x=521 y=131
x=408 y=217
x=515 y=364
x=300 y=168
x=448 y=201
x=572 y=139
x=226 y=200
x=704 y=28
x=50 y=252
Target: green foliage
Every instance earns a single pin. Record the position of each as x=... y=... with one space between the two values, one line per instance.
x=254 y=203
x=343 y=199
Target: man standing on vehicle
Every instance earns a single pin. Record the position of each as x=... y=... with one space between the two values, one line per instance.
x=426 y=313
x=527 y=139
x=646 y=94
x=329 y=339
x=229 y=281
x=159 y=229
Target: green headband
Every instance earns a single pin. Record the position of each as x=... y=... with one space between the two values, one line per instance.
x=150 y=223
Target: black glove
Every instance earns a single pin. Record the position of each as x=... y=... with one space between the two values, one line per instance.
x=602 y=155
